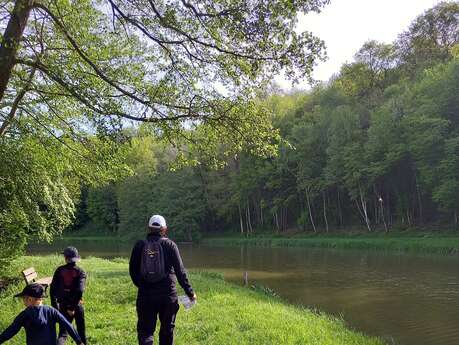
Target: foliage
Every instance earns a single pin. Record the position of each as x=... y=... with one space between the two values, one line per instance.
x=40 y=180
x=34 y=200
x=430 y=39
x=377 y=148
x=176 y=65
x=102 y=207
x=76 y=74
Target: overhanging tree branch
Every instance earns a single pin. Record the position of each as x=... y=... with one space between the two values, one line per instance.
x=11 y=39
x=16 y=102
x=100 y=73
x=216 y=47
x=104 y=111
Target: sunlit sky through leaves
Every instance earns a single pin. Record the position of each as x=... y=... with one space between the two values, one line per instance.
x=345 y=25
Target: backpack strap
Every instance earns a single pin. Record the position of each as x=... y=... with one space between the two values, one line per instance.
x=160 y=239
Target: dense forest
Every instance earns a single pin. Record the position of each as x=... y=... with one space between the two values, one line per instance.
x=375 y=148
x=103 y=125
x=79 y=77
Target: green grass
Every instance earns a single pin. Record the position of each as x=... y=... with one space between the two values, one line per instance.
x=226 y=314
x=445 y=244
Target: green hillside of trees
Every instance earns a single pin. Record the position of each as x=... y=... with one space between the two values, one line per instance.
x=219 y=148
x=78 y=77
x=377 y=148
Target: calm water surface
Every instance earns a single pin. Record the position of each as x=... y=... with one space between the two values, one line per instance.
x=404 y=299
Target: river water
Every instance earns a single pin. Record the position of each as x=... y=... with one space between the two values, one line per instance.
x=404 y=299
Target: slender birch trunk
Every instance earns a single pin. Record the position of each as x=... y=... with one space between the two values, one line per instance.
x=325 y=212
x=310 y=212
x=276 y=219
x=381 y=202
x=249 y=220
x=285 y=223
x=240 y=219
x=418 y=193
x=261 y=214
x=340 y=212
x=364 y=209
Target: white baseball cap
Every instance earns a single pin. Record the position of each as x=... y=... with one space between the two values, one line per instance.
x=157 y=222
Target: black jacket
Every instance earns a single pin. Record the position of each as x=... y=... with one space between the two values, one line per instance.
x=67 y=286
x=173 y=266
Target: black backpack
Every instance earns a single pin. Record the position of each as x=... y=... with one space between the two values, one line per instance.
x=152 y=266
x=68 y=291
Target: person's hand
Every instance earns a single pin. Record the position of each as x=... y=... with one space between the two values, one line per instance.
x=194 y=297
x=71 y=313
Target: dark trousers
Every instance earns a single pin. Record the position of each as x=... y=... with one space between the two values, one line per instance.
x=148 y=311
x=79 y=321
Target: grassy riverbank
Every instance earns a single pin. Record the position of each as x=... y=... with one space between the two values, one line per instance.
x=435 y=243
x=225 y=314
x=443 y=243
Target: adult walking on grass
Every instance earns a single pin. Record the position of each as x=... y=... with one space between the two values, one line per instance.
x=154 y=266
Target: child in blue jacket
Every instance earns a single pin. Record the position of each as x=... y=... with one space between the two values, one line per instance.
x=38 y=320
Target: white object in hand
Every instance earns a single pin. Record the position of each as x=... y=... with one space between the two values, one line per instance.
x=186 y=302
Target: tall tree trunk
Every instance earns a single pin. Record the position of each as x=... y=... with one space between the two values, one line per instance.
x=364 y=209
x=303 y=210
x=256 y=212
x=240 y=218
x=285 y=223
x=381 y=203
x=376 y=208
x=408 y=218
x=325 y=212
x=11 y=40
x=310 y=211
x=418 y=193
x=388 y=212
x=249 y=220
x=261 y=214
x=281 y=219
x=340 y=212
x=276 y=219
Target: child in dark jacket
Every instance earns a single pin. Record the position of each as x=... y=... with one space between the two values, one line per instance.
x=38 y=320
x=66 y=292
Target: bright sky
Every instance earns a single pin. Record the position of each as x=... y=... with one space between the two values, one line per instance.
x=345 y=25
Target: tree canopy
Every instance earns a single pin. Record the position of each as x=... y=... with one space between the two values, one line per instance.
x=376 y=148
x=78 y=76
x=176 y=64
